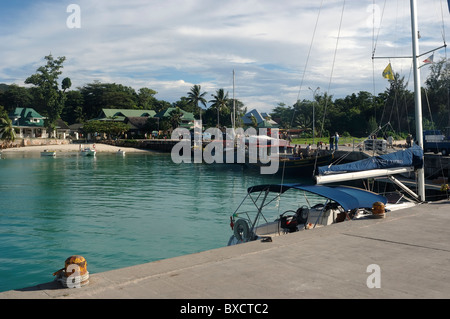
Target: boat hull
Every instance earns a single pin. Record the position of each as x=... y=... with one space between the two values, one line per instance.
x=88 y=153
x=296 y=166
x=48 y=153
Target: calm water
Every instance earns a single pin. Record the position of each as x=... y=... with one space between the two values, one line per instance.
x=114 y=211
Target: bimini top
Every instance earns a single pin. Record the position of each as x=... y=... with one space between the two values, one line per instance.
x=348 y=197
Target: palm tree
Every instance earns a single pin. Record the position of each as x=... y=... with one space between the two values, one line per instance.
x=219 y=102
x=194 y=96
x=175 y=118
x=6 y=129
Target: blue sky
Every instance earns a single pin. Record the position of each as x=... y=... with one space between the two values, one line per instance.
x=170 y=45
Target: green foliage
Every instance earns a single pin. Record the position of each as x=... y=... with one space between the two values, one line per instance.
x=15 y=96
x=73 y=108
x=175 y=118
x=219 y=103
x=437 y=95
x=47 y=93
x=110 y=128
x=7 y=132
x=195 y=96
x=359 y=114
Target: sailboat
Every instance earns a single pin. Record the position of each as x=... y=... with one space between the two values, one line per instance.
x=342 y=202
x=402 y=162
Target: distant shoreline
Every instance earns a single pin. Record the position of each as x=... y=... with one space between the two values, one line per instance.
x=100 y=148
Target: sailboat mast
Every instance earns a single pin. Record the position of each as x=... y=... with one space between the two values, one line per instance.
x=234 y=106
x=417 y=96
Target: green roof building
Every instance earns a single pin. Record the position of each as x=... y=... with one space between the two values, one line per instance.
x=187 y=120
x=120 y=115
x=28 y=123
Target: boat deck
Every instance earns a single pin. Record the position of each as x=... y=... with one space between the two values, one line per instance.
x=411 y=247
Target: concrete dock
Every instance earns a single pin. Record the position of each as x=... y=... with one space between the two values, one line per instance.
x=405 y=255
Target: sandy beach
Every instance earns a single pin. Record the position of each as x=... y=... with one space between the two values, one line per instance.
x=100 y=148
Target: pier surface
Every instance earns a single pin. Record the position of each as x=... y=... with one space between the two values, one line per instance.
x=405 y=255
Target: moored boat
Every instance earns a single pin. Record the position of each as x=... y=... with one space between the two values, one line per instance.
x=87 y=151
x=48 y=153
x=292 y=161
x=297 y=207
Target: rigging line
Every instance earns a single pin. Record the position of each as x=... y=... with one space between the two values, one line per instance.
x=374 y=44
x=433 y=126
x=331 y=77
x=443 y=26
x=303 y=76
x=332 y=67
x=309 y=51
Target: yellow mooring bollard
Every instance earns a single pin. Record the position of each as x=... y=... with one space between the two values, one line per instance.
x=74 y=274
x=378 y=210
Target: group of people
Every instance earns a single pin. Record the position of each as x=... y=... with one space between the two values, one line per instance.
x=334 y=141
x=299 y=153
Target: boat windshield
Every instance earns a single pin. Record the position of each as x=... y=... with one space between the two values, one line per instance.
x=264 y=204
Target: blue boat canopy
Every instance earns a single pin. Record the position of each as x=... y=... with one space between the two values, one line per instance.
x=348 y=197
x=410 y=157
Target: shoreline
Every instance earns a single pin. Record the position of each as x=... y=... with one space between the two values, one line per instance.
x=66 y=148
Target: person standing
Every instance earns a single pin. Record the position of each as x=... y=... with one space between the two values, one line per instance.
x=390 y=141
x=336 y=140
x=408 y=140
x=331 y=142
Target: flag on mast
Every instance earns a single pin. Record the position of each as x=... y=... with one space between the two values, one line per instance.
x=387 y=73
x=428 y=60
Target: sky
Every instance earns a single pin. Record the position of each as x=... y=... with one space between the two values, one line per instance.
x=279 y=51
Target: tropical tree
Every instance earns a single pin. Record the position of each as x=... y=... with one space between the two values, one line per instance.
x=7 y=132
x=98 y=96
x=146 y=98
x=16 y=96
x=399 y=105
x=47 y=92
x=219 y=103
x=195 y=96
x=175 y=118
x=438 y=93
x=73 y=108
x=284 y=114
x=111 y=128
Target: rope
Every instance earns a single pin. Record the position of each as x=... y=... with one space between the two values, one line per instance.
x=331 y=76
x=307 y=58
x=303 y=76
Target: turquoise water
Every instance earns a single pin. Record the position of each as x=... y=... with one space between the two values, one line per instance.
x=114 y=211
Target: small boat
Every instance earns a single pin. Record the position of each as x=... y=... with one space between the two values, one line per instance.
x=88 y=152
x=298 y=207
x=120 y=152
x=48 y=153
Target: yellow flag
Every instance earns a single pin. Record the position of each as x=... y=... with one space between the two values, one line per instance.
x=387 y=73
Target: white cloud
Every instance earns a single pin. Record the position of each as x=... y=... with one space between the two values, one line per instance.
x=173 y=44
